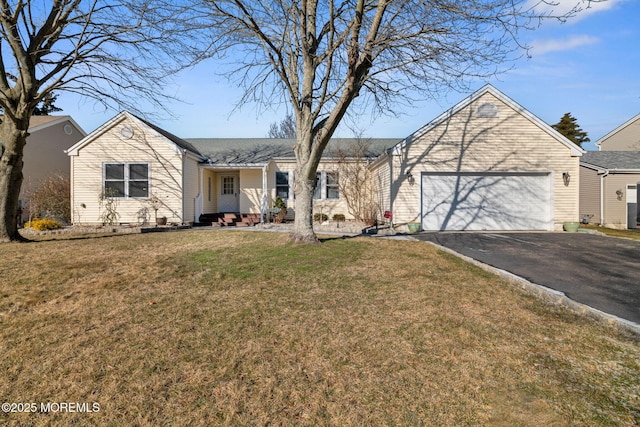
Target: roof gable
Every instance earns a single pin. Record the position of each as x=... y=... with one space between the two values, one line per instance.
x=168 y=137
x=488 y=89
x=39 y=123
x=626 y=124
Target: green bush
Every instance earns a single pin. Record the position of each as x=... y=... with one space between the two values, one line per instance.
x=279 y=203
x=320 y=217
x=339 y=217
x=42 y=224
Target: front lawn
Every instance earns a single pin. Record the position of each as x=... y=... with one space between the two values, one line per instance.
x=614 y=232
x=240 y=328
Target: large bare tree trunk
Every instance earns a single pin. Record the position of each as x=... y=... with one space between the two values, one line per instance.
x=303 y=225
x=13 y=140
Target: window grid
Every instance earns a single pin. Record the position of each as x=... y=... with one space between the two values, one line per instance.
x=227 y=185
x=282 y=185
x=126 y=180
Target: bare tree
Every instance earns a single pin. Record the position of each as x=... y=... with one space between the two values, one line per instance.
x=286 y=129
x=321 y=56
x=116 y=53
x=355 y=181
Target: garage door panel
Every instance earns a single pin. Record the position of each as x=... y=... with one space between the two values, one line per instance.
x=485 y=201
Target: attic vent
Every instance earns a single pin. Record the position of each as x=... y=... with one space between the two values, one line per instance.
x=126 y=132
x=487 y=110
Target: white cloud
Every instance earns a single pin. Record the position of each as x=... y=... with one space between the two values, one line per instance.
x=581 y=8
x=540 y=47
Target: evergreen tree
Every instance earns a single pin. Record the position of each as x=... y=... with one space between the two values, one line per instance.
x=568 y=126
x=47 y=105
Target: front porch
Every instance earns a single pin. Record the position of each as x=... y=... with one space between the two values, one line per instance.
x=232 y=195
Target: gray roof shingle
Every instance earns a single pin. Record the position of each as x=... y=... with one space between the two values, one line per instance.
x=261 y=150
x=622 y=160
x=171 y=137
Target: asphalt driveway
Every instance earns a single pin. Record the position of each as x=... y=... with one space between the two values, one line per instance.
x=601 y=272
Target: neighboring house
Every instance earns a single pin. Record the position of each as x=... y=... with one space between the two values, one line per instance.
x=486 y=164
x=625 y=137
x=608 y=188
x=44 y=154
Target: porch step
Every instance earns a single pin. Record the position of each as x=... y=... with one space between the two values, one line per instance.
x=229 y=219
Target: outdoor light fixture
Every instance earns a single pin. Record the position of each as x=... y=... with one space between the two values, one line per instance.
x=410 y=178
x=619 y=194
x=566 y=178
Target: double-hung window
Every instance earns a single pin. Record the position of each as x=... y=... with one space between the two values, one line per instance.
x=282 y=185
x=326 y=186
x=332 y=185
x=126 y=180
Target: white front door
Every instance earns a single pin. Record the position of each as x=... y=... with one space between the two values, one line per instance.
x=229 y=193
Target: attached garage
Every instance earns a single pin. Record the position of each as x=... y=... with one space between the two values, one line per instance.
x=487 y=201
x=485 y=164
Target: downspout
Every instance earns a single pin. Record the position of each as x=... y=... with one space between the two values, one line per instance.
x=184 y=201
x=606 y=172
x=200 y=197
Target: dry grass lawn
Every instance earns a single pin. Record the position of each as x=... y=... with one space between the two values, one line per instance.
x=613 y=232
x=205 y=328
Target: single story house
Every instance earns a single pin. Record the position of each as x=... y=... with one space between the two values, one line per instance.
x=609 y=188
x=485 y=164
x=625 y=137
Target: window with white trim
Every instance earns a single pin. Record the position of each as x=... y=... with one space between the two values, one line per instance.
x=282 y=185
x=228 y=185
x=332 y=185
x=126 y=180
x=326 y=186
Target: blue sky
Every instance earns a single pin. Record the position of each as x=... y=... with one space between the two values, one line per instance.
x=588 y=66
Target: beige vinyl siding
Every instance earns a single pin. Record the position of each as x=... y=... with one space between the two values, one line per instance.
x=615 y=210
x=381 y=179
x=191 y=186
x=590 y=194
x=210 y=179
x=165 y=175
x=465 y=142
x=625 y=139
x=329 y=207
x=250 y=190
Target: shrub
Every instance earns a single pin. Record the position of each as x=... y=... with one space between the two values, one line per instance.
x=320 y=217
x=339 y=217
x=282 y=205
x=51 y=198
x=42 y=224
x=279 y=203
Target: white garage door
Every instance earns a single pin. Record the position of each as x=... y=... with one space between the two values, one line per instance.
x=487 y=201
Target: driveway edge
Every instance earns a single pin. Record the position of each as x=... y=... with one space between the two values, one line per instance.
x=549 y=295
